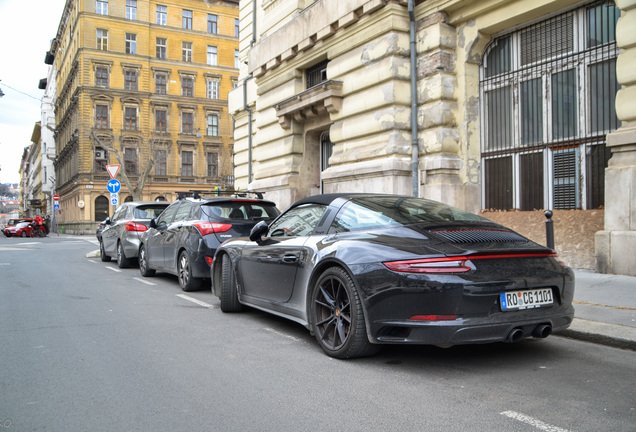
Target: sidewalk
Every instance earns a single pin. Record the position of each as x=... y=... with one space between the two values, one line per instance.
x=605 y=309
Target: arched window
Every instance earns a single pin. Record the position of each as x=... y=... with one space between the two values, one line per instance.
x=101 y=208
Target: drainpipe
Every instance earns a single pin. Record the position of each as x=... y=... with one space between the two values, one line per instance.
x=415 y=148
x=249 y=130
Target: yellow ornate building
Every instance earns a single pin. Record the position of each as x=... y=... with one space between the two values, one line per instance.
x=142 y=84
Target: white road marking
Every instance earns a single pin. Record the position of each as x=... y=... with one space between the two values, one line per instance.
x=271 y=330
x=113 y=269
x=144 y=281
x=193 y=300
x=533 y=422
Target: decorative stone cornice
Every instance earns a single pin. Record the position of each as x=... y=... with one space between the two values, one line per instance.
x=326 y=96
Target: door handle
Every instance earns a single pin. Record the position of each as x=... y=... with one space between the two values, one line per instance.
x=289 y=259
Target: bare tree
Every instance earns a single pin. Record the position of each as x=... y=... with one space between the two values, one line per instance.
x=136 y=191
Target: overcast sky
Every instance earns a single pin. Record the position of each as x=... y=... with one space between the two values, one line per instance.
x=25 y=36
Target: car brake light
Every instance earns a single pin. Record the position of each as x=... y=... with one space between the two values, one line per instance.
x=433 y=318
x=430 y=265
x=134 y=226
x=206 y=228
x=454 y=264
x=209 y=260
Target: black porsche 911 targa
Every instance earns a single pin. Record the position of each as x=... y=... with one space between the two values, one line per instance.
x=361 y=270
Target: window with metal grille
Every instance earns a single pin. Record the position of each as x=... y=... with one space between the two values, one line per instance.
x=548 y=96
x=317 y=74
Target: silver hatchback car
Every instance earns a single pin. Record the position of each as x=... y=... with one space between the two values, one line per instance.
x=121 y=233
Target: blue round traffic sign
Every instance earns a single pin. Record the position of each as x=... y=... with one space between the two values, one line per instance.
x=113 y=186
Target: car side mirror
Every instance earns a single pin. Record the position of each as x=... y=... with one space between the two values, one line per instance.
x=107 y=221
x=257 y=232
x=153 y=223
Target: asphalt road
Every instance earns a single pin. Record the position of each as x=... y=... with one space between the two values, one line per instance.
x=85 y=346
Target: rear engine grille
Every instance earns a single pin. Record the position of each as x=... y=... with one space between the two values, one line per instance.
x=480 y=236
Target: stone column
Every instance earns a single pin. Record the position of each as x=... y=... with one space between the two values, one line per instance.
x=616 y=244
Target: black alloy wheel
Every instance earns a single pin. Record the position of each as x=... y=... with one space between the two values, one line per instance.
x=337 y=316
x=229 y=294
x=102 y=252
x=23 y=234
x=122 y=261
x=143 y=263
x=184 y=274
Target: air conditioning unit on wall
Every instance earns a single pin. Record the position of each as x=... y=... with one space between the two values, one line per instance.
x=100 y=154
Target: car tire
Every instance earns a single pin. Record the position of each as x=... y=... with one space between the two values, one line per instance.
x=229 y=294
x=143 y=263
x=23 y=234
x=337 y=318
x=102 y=253
x=184 y=274
x=122 y=261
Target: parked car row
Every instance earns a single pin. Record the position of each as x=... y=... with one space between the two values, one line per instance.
x=363 y=270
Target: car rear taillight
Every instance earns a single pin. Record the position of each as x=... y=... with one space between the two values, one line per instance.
x=206 y=228
x=134 y=226
x=430 y=265
x=433 y=318
x=209 y=259
x=455 y=264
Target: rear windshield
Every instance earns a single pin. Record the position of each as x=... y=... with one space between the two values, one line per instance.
x=149 y=211
x=239 y=210
x=364 y=213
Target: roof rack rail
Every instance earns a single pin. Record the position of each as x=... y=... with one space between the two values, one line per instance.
x=198 y=194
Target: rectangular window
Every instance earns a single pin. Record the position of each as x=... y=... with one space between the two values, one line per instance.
x=212 y=160
x=212 y=125
x=187 y=86
x=499 y=120
x=316 y=74
x=131 y=9
x=186 y=163
x=101 y=7
x=101 y=76
x=212 y=89
x=566 y=173
x=130 y=118
x=601 y=24
x=531 y=177
x=131 y=43
x=213 y=26
x=162 y=15
x=236 y=27
x=212 y=55
x=161 y=121
x=102 y=39
x=603 y=88
x=161 y=83
x=130 y=80
x=498 y=183
x=161 y=162
x=101 y=117
x=187 y=123
x=130 y=160
x=162 y=48
x=237 y=63
x=187 y=19
x=186 y=52
x=564 y=105
x=531 y=101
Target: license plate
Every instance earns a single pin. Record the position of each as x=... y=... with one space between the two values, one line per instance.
x=528 y=299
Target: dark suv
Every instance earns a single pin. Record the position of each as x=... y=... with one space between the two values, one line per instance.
x=183 y=239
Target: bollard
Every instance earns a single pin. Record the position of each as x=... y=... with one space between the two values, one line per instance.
x=549 y=230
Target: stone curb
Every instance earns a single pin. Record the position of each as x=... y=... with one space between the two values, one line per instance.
x=612 y=335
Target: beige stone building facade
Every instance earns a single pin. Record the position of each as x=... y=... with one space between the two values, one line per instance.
x=482 y=104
